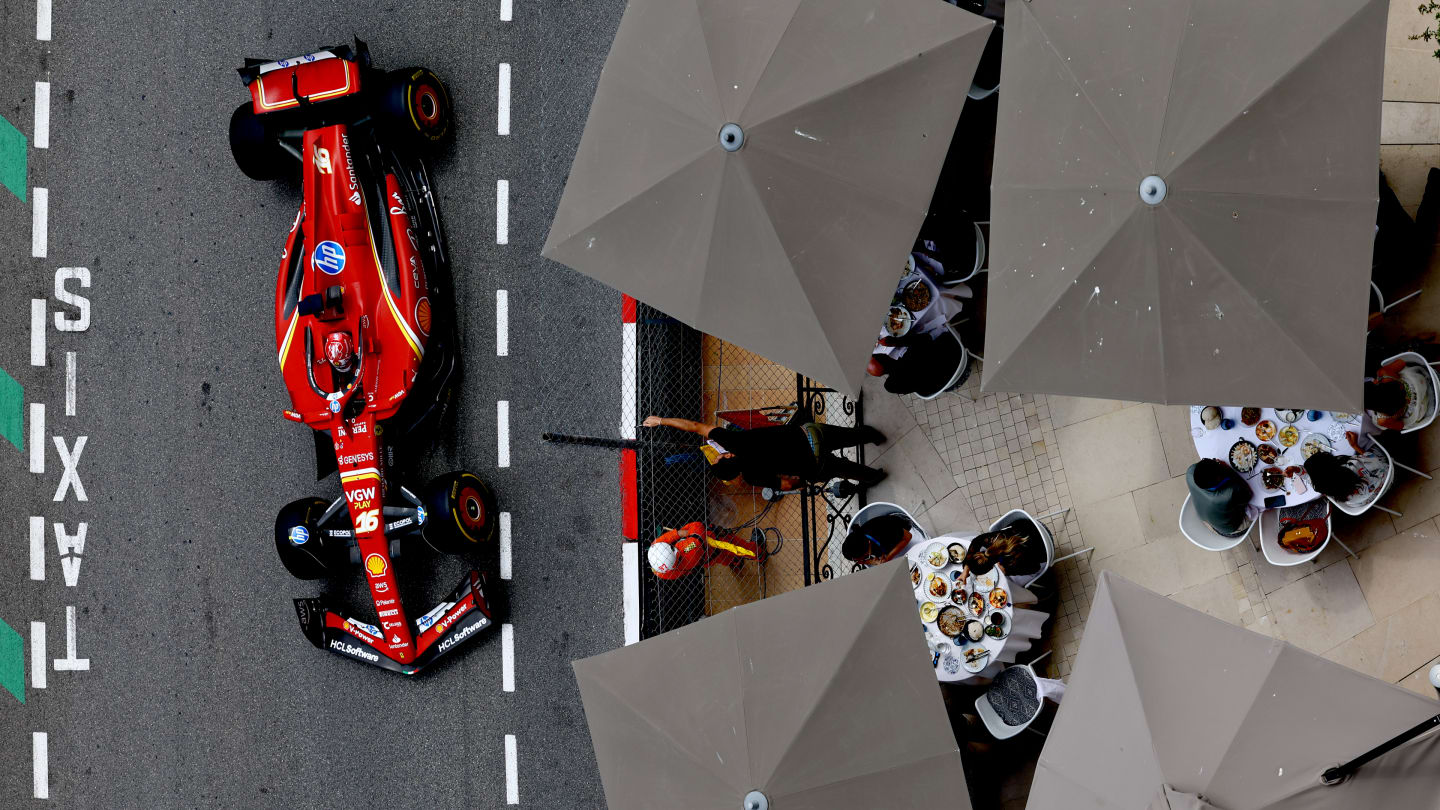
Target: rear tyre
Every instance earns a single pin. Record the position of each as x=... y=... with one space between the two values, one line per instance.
x=302 y=547
x=416 y=103
x=461 y=517
x=256 y=150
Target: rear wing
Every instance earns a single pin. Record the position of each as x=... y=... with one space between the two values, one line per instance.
x=323 y=75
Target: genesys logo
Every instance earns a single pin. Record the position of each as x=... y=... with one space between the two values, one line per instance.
x=358 y=458
x=462 y=634
x=328 y=258
x=351 y=649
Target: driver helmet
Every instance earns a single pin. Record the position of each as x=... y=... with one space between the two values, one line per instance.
x=340 y=350
x=662 y=558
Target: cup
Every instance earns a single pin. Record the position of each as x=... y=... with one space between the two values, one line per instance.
x=1227 y=424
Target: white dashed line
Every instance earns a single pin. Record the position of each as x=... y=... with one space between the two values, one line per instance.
x=630 y=565
x=505 y=11
x=39 y=222
x=504 y=545
x=38 y=664
x=502 y=116
x=502 y=323
x=42 y=20
x=37 y=437
x=512 y=768
x=70 y=383
x=42 y=115
x=37 y=331
x=40 y=750
x=37 y=547
x=502 y=427
x=507 y=658
x=502 y=212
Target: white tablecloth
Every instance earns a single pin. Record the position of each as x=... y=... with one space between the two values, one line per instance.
x=1025 y=625
x=1217 y=443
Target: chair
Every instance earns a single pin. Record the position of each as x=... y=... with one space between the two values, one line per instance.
x=1019 y=516
x=980 y=256
x=987 y=73
x=961 y=370
x=879 y=508
x=1276 y=554
x=1415 y=358
x=1390 y=465
x=1199 y=532
x=997 y=727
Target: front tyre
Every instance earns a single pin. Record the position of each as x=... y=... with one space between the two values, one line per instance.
x=417 y=103
x=302 y=546
x=461 y=514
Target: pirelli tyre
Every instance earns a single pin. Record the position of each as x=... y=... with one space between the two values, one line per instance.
x=306 y=551
x=417 y=103
x=461 y=514
x=255 y=148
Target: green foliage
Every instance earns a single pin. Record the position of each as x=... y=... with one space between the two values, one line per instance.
x=1431 y=34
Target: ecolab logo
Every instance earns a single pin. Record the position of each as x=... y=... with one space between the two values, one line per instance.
x=351 y=649
x=360 y=494
x=462 y=635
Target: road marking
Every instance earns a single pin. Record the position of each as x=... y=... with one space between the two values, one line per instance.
x=70 y=383
x=502 y=426
x=40 y=746
x=503 y=113
x=502 y=323
x=42 y=20
x=37 y=331
x=70 y=459
x=505 y=11
x=507 y=658
x=42 y=115
x=12 y=411
x=70 y=663
x=630 y=567
x=37 y=547
x=12 y=661
x=40 y=223
x=14 y=159
x=38 y=664
x=512 y=777
x=37 y=437
x=504 y=545
x=502 y=212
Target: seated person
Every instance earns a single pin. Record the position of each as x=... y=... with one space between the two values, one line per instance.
x=1353 y=481
x=1399 y=395
x=1220 y=496
x=924 y=367
x=878 y=540
x=1016 y=551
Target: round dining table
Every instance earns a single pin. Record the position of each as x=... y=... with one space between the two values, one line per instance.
x=1327 y=432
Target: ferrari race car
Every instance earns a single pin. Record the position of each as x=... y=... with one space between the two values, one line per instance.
x=364 y=331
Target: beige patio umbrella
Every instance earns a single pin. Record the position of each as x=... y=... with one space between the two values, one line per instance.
x=1184 y=200
x=817 y=699
x=759 y=169
x=1167 y=705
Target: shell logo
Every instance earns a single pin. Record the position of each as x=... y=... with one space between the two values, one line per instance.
x=375 y=565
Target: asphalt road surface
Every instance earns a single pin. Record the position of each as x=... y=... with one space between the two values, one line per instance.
x=200 y=690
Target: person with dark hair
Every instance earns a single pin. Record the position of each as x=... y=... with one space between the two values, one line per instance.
x=1019 y=553
x=925 y=365
x=1352 y=480
x=878 y=540
x=1398 y=395
x=1220 y=496
x=774 y=456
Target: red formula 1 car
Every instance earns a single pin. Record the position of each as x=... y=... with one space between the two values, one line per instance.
x=364 y=329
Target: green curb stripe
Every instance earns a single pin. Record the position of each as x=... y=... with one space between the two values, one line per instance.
x=12 y=411
x=12 y=661
x=13 y=156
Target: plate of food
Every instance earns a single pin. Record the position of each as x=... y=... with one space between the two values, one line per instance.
x=1289 y=435
x=1267 y=453
x=1265 y=431
x=1249 y=416
x=914 y=575
x=937 y=587
x=958 y=595
x=950 y=621
x=984 y=583
x=899 y=321
x=1315 y=443
x=999 y=598
x=997 y=624
x=1289 y=415
x=973 y=631
x=956 y=552
x=976 y=658
x=936 y=557
x=916 y=295
x=929 y=611
x=1210 y=416
x=1242 y=456
x=1273 y=478
x=1342 y=416
x=976 y=605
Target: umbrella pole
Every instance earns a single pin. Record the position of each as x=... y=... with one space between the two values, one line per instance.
x=1340 y=773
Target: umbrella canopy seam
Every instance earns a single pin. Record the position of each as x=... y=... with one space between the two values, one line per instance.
x=1174 y=66
x=769 y=57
